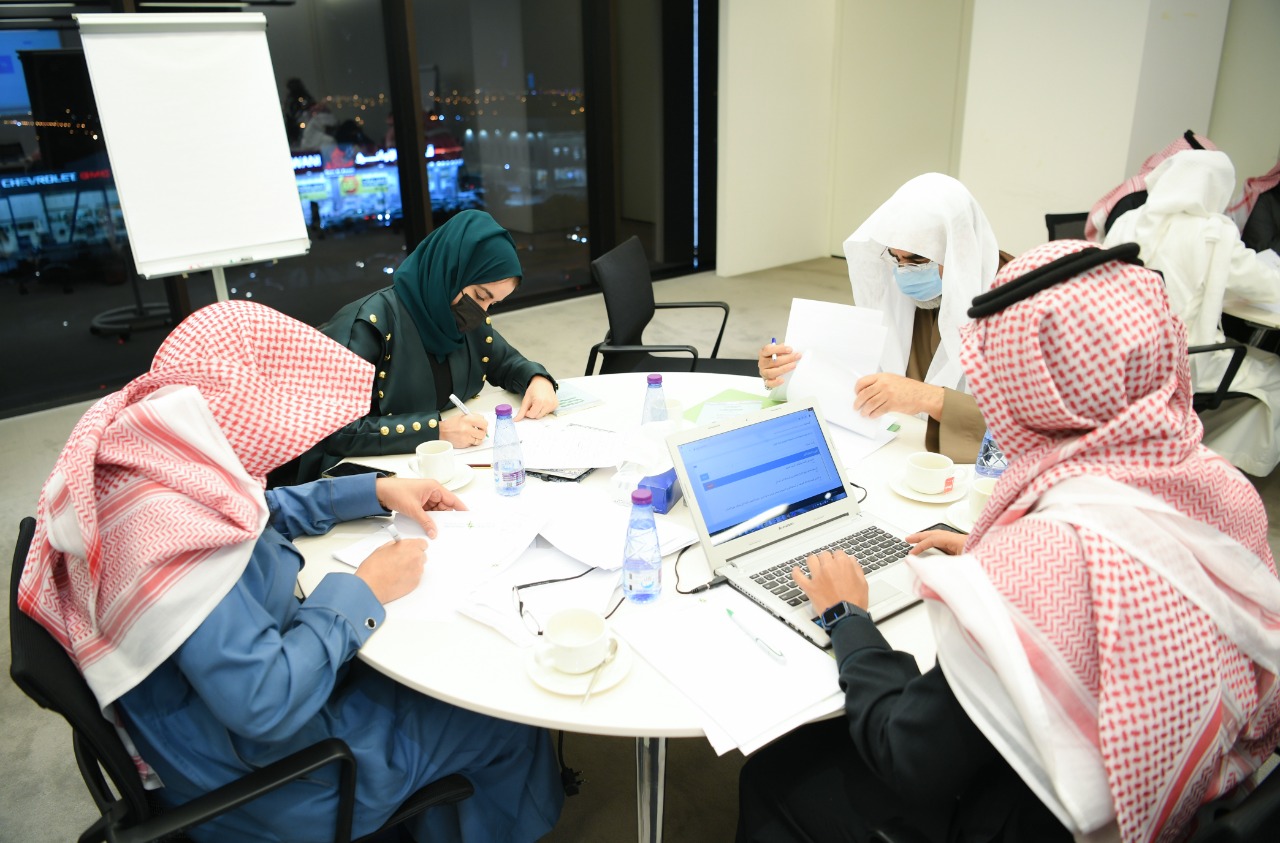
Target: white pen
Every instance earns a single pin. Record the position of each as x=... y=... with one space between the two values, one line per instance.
x=391 y=528
x=457 y=402
x=775 y=654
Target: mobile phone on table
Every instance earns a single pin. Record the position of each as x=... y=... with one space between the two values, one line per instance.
x=941 y=525
x=350 y=469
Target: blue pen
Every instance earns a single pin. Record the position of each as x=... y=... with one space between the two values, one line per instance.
x=774 y=341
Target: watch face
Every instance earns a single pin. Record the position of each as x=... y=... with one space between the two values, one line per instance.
x=834 y=614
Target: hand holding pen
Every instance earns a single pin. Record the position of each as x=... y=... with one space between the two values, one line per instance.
x=465 y=431
x=776 y=360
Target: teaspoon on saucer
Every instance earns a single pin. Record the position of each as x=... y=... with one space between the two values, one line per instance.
x=595 y=674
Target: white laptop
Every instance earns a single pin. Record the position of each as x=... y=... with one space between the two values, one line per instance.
x=768 y=488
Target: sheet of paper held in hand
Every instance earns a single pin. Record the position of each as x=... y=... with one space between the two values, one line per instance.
x=839 y=343
x=747 y=697
x=470 y=548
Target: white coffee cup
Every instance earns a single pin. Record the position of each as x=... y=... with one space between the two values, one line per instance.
x=979 y=494
x=435 y=460
x=573 y=641
x=930 y=474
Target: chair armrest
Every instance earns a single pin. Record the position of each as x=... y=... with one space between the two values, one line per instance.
x=724 y=320
x=1238 y=351
x=248 y=788
x=605 y=348
x=452 y=788
x=591 y=359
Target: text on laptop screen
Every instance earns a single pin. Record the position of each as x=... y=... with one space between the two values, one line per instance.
x=760 y=474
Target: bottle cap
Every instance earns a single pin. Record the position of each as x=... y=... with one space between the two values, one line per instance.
x=642 y=496
x=502 y=411
x=655 y=379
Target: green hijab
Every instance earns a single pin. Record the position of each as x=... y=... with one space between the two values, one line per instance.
x=471 y=248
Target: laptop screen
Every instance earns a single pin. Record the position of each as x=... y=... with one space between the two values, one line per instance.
x=753 y=476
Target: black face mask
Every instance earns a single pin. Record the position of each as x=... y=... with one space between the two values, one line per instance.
x=468 y=315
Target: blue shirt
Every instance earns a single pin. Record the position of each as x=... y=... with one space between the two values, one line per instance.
x=265 y=675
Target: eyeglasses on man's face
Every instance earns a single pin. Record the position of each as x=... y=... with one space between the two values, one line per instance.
x=903 y=261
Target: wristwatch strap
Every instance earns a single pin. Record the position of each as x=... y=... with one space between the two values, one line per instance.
x=830 y=618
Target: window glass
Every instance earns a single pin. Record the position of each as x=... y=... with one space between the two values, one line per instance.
x=505 y=121
x=66 y=275
x=79 y=322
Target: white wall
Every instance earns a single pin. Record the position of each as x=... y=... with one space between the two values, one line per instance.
x=1053 y=104
x=774 y=184
x=1246 y=105
x=896 y=110
x=1050 y=122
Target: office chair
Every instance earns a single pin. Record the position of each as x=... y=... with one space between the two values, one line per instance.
x=44 y=671
x=1213 y=400
x=1254 y=820
x=623 y=275
x=1066 y=226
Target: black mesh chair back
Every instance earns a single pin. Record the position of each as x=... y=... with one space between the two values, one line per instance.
x=1066 y=226
x=624 y=278
x=44 y=671
x=623 y=275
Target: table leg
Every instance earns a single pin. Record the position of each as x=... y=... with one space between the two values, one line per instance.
x=651 y=783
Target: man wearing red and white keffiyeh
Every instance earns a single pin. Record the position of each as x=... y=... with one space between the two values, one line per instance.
x=1100 y=215
x=234 y=391
x=1112 y=627
x=167 y=572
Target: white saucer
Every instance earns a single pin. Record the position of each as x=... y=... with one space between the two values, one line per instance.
x=462 y=474
x=957 y=516
x=958 y=489
x=575 y=684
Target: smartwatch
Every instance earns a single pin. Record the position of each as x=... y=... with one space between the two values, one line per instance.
x=844 y=609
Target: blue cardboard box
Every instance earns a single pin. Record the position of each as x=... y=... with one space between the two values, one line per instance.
x=665 y=489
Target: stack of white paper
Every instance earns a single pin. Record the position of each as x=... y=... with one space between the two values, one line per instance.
x=593 y=530
x=746 y=696
x=470 y=548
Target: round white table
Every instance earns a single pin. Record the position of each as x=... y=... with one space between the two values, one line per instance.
x=473 y=666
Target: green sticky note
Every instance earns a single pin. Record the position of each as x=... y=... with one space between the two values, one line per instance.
x=895 y=427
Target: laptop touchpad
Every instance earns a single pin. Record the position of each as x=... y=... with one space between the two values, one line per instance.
x=881 y=591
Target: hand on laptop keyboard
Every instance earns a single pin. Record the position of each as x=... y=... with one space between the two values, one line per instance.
x=832 y=577
x=872 y=547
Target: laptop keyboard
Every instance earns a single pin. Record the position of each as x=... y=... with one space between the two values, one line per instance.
x=872 y=547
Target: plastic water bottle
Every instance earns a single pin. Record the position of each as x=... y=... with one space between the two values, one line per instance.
x=655 y=402
x=641 y=557
x=990 y=462
x=508 y=460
